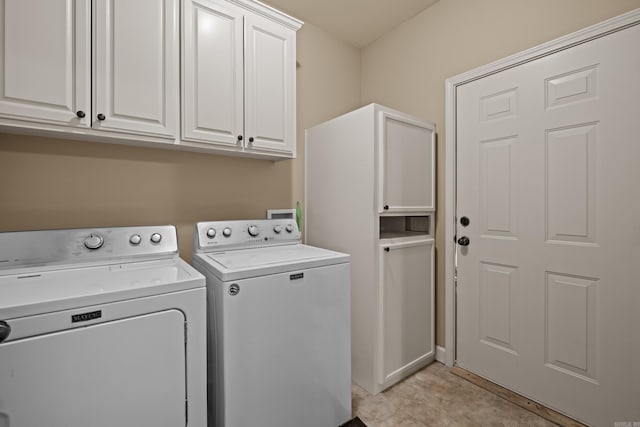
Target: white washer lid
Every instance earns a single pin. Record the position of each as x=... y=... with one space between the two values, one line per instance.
x=30 y=293
x=253 y=262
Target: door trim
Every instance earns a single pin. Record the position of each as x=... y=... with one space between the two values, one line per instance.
x=601 y=29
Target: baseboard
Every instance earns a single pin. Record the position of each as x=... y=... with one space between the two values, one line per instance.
x=440 y=354
x=517 y=399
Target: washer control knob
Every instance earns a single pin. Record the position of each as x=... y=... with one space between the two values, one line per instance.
x=156 y=237
x=253 y=230
x=277 y=229
x=135 y=239
x=289 y=228
x=211 y=233
x=226 y=232
x=94 y=241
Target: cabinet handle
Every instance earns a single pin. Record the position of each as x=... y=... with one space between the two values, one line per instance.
x=101 y=117
x=239 y=137
x=250 y=139
x=387 y=249
x=385 y=207
x=80 y=114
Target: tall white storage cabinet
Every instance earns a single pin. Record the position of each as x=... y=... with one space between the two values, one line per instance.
x=370 y=192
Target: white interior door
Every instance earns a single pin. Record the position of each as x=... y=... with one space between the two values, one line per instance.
x=547 y=173
x=136 y=66
x=128 y=372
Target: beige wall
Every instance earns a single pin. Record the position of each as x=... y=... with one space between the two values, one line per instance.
x=49 y=183
x=406 y=69
x=328 y=86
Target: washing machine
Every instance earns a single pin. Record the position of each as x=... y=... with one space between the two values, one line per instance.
x=279 y=326
x=100 y=327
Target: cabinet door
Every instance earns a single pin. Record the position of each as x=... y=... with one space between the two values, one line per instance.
x=406 y=164
x=212 y=77
x=270 y=116
x=136 y=66
x=46 y=59
x=406 y=309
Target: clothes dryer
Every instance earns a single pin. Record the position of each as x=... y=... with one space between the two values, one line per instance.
x=100 y=327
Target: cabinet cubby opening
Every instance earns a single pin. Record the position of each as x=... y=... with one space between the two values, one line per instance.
x=405 y=226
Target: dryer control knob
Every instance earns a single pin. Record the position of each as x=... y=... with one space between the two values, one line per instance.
x=289 y=228
x=253 y=230
x=94 y=241
x=135 y=239
x=226 y=232
x=277 y=229
x=156 y=237
x=5 y=330
x=211 y=233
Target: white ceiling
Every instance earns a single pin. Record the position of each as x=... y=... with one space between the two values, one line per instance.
x=357 y=22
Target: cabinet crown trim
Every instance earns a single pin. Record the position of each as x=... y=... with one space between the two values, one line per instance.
x=269 y=13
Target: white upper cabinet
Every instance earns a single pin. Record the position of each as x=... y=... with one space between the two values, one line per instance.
x=270 y=61
x=136 y=66
x=405 y=147
x=109 y=70
x=45 y=61
x=239 y=77
x=212 y=80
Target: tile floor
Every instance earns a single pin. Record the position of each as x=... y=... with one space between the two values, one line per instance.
x=436 y=397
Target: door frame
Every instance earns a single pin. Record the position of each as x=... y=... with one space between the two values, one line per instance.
x=601 y=29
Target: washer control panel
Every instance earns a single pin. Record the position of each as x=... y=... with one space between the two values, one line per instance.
x=222 y=235
x=24 y=248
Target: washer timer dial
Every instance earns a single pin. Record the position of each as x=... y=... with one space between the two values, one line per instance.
x=253 y=230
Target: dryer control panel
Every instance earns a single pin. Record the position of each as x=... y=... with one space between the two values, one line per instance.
x=223 y=235
x=86 y=245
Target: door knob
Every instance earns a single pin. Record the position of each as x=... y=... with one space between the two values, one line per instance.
x=387 y=249
x=239 y=137
x=101 y=117
x=464 y=241
x=80 y=114
x=464 y=221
